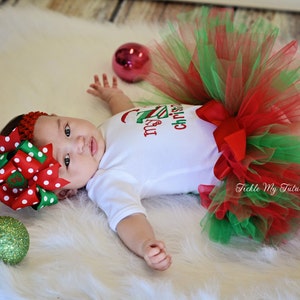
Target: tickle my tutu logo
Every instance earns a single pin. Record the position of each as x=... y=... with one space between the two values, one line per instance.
x=269 y=188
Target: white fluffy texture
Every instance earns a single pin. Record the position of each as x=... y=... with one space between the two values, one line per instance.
x=47 y=62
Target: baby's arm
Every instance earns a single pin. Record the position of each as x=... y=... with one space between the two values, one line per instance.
x=137 y=234
x=112 y=95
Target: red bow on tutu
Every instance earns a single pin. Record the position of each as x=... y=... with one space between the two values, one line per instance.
x=27 y=174
x=229 y=136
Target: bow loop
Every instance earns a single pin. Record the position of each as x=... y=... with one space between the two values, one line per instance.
x=25 y=164
x=48 y=178
x=213 y=112
x=26 y=197
x=32 y=151
x=10 y=142
x=7 y=170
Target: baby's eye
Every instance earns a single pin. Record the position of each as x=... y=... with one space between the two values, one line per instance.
x=67 y=130
x=67 y=160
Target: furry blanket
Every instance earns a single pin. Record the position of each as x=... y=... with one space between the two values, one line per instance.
x=46 y=63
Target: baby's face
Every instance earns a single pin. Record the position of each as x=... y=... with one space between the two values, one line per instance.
x=77 y=145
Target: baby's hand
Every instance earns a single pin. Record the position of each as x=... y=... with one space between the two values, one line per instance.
x=155 y=255
x=105 y=91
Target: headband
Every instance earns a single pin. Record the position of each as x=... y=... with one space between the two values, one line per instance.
x=28 y=174
x=26 y=125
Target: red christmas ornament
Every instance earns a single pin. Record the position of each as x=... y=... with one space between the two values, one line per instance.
x=131 y=62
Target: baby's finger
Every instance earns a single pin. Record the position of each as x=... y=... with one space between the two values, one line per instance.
x=92 y=92
x=115 y=82
x=155 y=259
x=163 y=264
x=153 y=251
x=161 y=245
x=166 y=263
x=105 y=80
x=95 y=88
x=96 y=79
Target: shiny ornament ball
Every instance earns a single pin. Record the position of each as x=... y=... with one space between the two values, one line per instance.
x=131 y=62
x=14 y=240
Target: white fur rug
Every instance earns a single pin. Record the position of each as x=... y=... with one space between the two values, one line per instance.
x=47 y=62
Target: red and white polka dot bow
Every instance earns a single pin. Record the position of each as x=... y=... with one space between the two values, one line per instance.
x=27 y=174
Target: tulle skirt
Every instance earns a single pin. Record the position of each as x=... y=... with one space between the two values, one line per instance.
x=250 y=91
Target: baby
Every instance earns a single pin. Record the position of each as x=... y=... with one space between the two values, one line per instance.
x=137 y=153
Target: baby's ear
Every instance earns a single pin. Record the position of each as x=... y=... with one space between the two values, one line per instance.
x=66 y=193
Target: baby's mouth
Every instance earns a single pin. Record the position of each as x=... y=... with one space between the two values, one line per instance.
x=93 y=146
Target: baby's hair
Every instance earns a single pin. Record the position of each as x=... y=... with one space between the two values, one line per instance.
x=12 y=124
x=25 y=124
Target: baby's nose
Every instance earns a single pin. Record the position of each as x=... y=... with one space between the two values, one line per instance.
x=80 y=142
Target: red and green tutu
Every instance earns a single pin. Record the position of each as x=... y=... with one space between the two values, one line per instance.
x=250 y=91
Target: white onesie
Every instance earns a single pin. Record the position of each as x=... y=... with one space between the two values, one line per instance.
x=164 y=149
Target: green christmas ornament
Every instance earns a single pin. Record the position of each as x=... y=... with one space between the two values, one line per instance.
x=14 y=240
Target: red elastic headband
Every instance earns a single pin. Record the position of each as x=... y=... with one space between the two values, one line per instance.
x=26 y=125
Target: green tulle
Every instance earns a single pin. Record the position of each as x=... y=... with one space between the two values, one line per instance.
x=285 y=148
x=221 y=231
